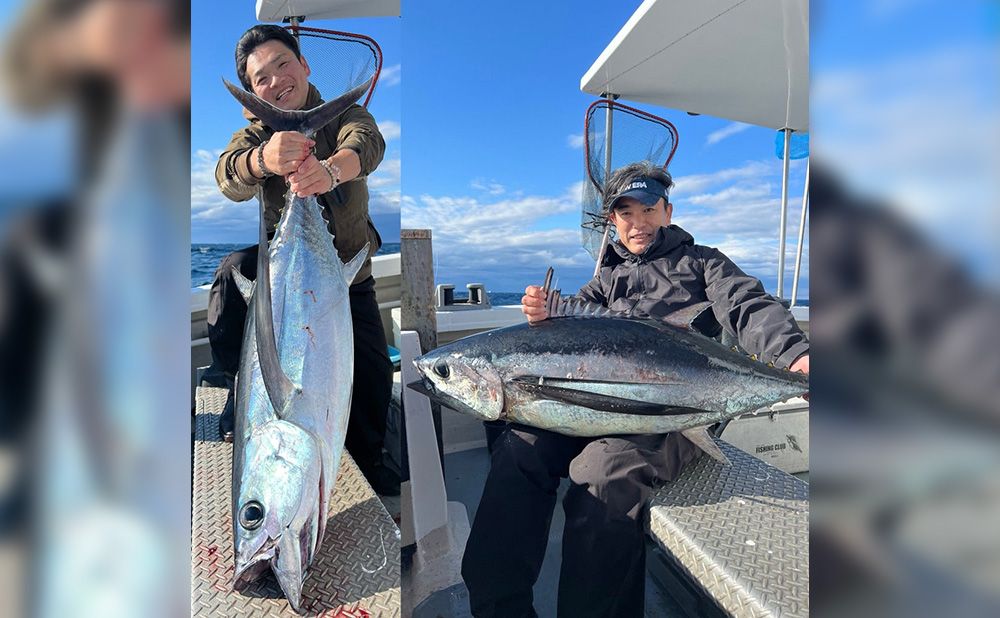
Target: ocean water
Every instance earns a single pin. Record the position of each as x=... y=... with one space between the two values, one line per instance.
x=205 y=259
x=514 y=298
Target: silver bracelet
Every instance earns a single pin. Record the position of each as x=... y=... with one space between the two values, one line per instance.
x=333 y=171
x=260 y=160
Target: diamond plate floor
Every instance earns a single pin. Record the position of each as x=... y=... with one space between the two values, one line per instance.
x=741 y=531
x=355 y=573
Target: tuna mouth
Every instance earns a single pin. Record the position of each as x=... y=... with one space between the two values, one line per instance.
x=424 y=387
x=254 y=568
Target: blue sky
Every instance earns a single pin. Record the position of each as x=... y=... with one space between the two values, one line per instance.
x=215 y=115
x=494 y=162
x=494 y=113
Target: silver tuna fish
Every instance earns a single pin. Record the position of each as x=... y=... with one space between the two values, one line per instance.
x=293 y=392
x=587 y=371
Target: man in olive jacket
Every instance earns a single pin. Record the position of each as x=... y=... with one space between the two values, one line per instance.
x=332 y=166
x=652 y=270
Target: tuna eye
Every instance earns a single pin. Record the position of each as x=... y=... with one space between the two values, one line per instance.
x=441 y=368
x=251 y=515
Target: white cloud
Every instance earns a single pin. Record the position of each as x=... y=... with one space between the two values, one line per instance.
x=387 y=174
x=512 y=237
x=390 y=75
x=700 y=182
x=491 y=187
x=732 y=194
x=389 y=129
x=505 y=241
x=727 y=131
x=575 y=140
x=383 y=202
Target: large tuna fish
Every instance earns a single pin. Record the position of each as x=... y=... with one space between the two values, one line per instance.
x=293 y=393
x=588 y=371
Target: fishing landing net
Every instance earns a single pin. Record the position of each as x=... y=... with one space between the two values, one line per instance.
x=339 y=61
x=635 y=136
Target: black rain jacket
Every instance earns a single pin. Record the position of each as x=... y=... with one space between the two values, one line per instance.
x=674 y=273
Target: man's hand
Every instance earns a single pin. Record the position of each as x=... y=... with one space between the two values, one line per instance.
x=285 y=152
x=533 y=304
x=801 y=365
x=312 y=179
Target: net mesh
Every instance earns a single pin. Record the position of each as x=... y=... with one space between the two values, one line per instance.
x=635 y=136
x=339 y=61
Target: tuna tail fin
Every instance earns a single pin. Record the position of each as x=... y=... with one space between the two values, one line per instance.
x=304 y=121
x=244 y=285
x=352 y=267
x=703 y=440
x=279 y=388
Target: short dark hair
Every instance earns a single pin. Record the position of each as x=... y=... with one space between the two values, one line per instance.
x=623 y=177
x=254 y=38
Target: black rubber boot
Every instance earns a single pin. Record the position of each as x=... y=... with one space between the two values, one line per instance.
x=383 y=479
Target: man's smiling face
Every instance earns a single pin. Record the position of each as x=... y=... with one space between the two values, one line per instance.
x=637 y=223
x=277 y=76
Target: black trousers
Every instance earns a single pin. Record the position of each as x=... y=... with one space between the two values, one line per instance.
x=227 y=313
x=603 y=544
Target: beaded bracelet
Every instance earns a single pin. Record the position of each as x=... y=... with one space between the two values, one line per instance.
x=260 y=160
x=333 y=171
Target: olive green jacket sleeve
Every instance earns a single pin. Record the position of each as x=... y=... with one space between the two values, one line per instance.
x=232 y=172
x=359 y=132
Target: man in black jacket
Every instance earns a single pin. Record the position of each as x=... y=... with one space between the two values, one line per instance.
x=652 y=270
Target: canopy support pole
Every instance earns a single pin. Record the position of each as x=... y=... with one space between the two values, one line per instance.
x=802 y=233
x=784 y=214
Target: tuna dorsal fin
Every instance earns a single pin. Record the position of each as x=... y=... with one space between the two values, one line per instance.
x=352 y=267
x=686 y=318
x=559 y=307
x=304 y=121
x=244 y=285
x=703 y=440
x=279 y=388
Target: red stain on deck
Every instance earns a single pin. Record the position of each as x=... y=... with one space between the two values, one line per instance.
x=311 y=293
x=312 y=339
x=218 y=574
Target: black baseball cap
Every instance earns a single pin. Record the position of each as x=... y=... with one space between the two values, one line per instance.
x=645 y=189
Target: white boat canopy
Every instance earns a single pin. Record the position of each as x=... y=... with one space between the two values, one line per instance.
x=279 y=10
x=743 y=60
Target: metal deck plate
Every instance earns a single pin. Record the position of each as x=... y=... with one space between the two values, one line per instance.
x=355 y=573
x=740 y=531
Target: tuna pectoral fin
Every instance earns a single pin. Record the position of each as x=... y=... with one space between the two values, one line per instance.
x=351 y=268
x=279 y=388
x=244 y=285
x=595 y=401
x=703 y=440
